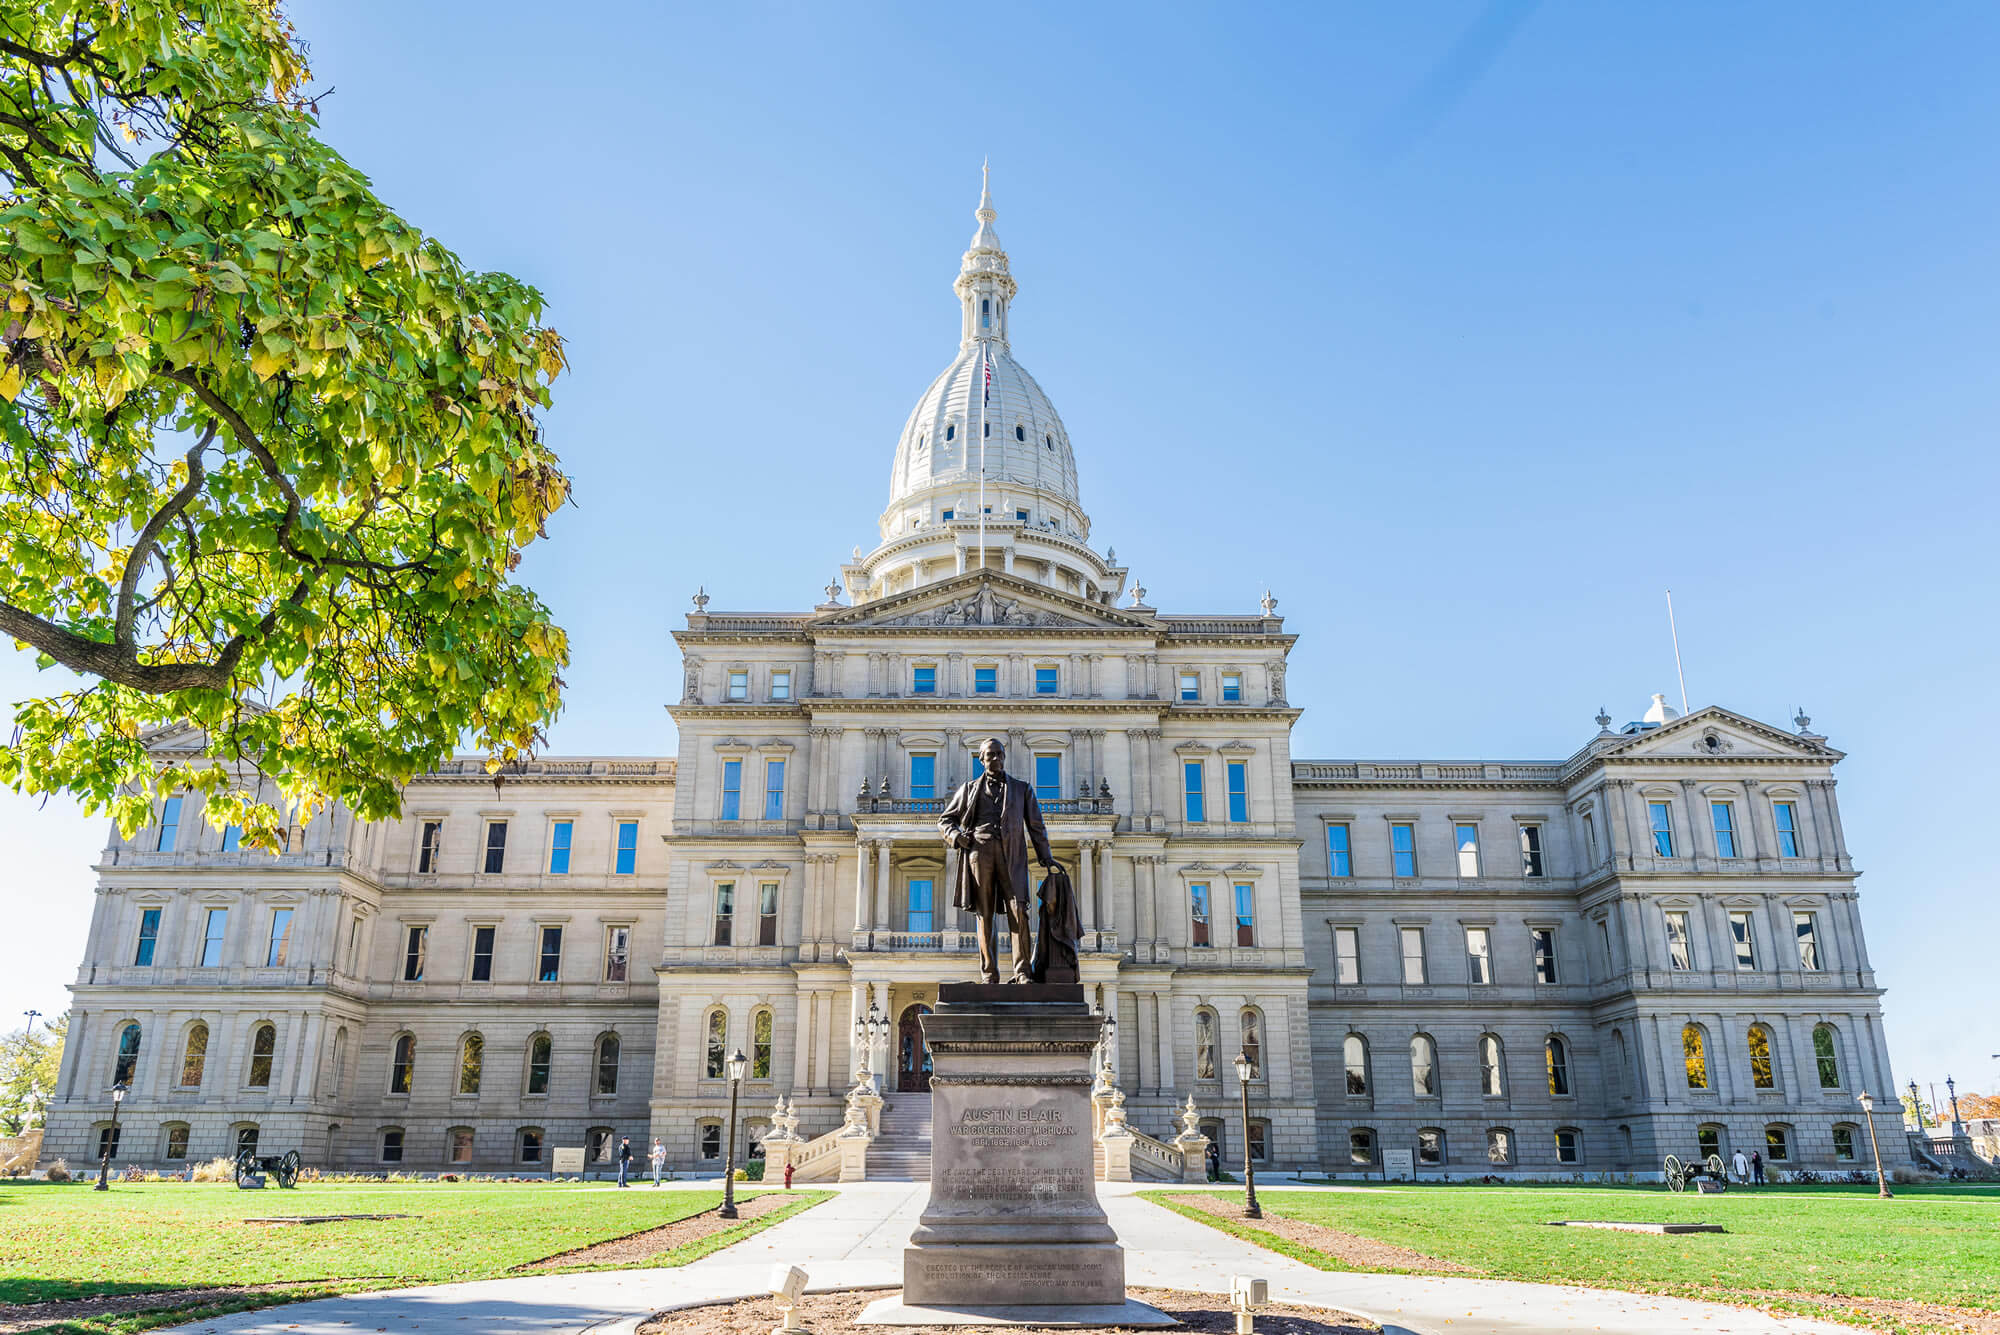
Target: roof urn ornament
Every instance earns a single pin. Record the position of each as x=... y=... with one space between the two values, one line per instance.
x=1138 y=595
x=1803 y=719
x=1269 y=604
x=701 y=599
x=1603 y=719
x=833 y=591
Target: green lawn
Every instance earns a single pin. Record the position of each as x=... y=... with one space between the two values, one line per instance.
x=69 y=1241
x=1938 y=1245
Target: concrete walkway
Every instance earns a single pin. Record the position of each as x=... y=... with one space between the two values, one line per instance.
x=856 y=1240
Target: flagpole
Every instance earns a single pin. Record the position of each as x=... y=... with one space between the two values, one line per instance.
x=1675 y=631
x=984 y=372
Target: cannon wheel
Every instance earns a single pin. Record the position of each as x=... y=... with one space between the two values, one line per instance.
x=245 y=1165
x=1715 y=1167
x=288 y=1169
x=1675 y=1181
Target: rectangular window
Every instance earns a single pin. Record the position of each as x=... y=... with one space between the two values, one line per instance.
x=1190 y=686
x=1257 y=1142
x=739 y=686
x=1723 y=816
x=1339 y=852
x=1544 y=939
x=732 y=790
x=1246 y=915
x=1740 y=937
x=1786 y=815
x=1680 y=953
x=559 y=848
x=1661 y=816
x=628 y=848
x=496 y=847
x=1048 y=778
x=1047 y=680
x=923 y=777
x=767 y=914
x=416 y=945
x=177 y=1141
x=1191 y=780
x=1531 y=850
x=1569 y=1148
x=781 y=685
x=1232 y=688
x=920 y=917
x=725 y=913
x=1843 y=1144
x=281 y=939
x=427 y=847
x=985 y=681
x=531 y=1147
x=170 y=825
x=1777 y=1144
x=232 y=838
x=1430 y=1147
x=1806 y=929
x=461 y=1144
x=711 y=1140
x=923 y=680
x=1198 y=903
x=774 y=790
x=1361 y=1147
x=211 y=938
x=149 y=936
x=392 y=1147
x=1479 y=954
x=1239 y=791
x=549 y=970
x=617 y=954
x=1403 y=850
x=1466 y=838
x=1347 y=956
x=482 y=954
x=948 y=516
x=1414 y=972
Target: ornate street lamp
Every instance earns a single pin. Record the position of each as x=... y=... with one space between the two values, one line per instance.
x=738 y=1064
x=1244 y=1070
x=1951 y=1089
x=1868 y=1111
x=104 y=1161
x=1916 y=1106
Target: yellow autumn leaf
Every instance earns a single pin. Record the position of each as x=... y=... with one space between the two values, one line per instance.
x=11 y=381
x=266 y=363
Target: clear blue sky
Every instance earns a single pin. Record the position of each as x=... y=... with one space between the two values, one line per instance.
x=1467 y=328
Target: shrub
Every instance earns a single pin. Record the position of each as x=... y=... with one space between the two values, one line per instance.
x=59 y=1171
x=221 y=1169
x=754 y=1171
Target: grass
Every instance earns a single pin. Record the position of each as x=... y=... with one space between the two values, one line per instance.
x=1785 y=1246
x=66 y=1242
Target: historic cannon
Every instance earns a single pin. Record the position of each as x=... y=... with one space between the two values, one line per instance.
x=284 y=1167
x=1680 y=1172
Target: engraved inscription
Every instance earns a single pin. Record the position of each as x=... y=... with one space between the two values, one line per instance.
x=1011 y=1128
x=1011 y=1184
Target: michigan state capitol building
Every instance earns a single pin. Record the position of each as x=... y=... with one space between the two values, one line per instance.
x=1651 y=944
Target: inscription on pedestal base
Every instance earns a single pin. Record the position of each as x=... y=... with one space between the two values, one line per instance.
x=1002 y=1274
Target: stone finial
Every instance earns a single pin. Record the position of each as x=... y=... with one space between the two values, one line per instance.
x=833 y=590
x=1138 y=595
x=701 y=599
x=1190 y=1118
x=864 y=788
x=1803 y=719
x=1111 y=556
x=1269 y=604
x=882 y=790
x=1603 y=719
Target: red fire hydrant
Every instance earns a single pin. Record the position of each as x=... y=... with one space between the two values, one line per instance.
x=788 y=1175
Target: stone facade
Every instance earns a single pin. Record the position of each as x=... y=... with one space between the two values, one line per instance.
x=425 y=994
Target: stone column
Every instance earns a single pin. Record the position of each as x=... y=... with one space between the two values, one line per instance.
x=802 y=1052
x=1086 y=887
x=823 y=1022
x=1093 y=673
x=857 y=1010
x=1106 y=916
x=954 y=752
x=882 y=886
x=1164 y=1022
x=862 y=886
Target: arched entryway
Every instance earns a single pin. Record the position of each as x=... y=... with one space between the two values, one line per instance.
x=913 y=1059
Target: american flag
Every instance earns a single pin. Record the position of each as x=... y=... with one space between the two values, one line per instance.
x=987 y=397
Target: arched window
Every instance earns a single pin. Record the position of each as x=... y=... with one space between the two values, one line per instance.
x=1423 y=1066
x=1762 y=1073
x=1499 y=1145
x=1361 y=1146
x=1569 y=1145
x=1204 y=1044
x=194 y=1057
x=1049 y=442
x=176 y=1146
x=950 y=430
x=607 y=1064
x=1826 y=1055
x=1556 y=1053
x=471 y=1063
x=1492 y=1075
x=263 y=1046
x=127 y=1063
x=339 y=1058
x=760 y=1045
x=528 y=1145
x=541 y=1052
x=1708 y=1139
x=1020 y=432
x=1624 y=1058
x=1430 y=1145
x=402 y=1063
x=718 y=1043
x=1355 y=1051
x=985 y=313
x=1253 y=1042
x=1694 y=1055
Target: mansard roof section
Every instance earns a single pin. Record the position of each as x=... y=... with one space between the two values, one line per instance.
x=989 y=601
x=1709 y=735
x=620 y=770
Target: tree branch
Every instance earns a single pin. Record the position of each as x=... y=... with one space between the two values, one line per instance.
x=142 y=546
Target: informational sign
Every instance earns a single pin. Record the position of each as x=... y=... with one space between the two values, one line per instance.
x=1398 y=1165
x=571 y=1160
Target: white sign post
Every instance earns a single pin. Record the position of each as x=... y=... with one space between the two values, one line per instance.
x=1399 y=1164
x=567 y=1161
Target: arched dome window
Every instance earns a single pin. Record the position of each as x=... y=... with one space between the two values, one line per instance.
x=1049 y=441
x=950 y=430
x=985 y=313
x=1020 y=432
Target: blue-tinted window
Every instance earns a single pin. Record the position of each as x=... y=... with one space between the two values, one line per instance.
x=170 y=824
x=1021 y=515
x=1190 y=686
x=1787 y=817
x=1246 y=915
x=149 y=935
x=1021 y=433
x=550 y=969
x=628 y=847
x=1199 y=925
x=1232 y=688
x=950 y=431
x=232 y=838
x=923 y=776
x=950 y=515
x=1048 y=778
x=986 y=680
x=1403 y=849
x=732 y=790
x=774 y=790
x=1047 y=679
x=920 y=916
x=1725 y=829
x=278 y=949
x=923 y=680
x=1239 y=790
x=1339 y=856
x=1191 y=781
x=559 y=847
x=213 y=932
x=1662 y=818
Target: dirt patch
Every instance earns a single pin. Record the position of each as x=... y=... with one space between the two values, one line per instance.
x=1348 y=1248
x=1209 y=1314
x=638 y=1248
x=37 y=1316
x=1896 y=1313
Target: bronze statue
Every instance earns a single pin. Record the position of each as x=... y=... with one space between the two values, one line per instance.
x=991 y=821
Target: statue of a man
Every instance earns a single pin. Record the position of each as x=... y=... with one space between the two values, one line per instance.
x=990 y=821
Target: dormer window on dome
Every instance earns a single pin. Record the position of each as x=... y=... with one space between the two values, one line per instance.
x=950 y=431
x=1020 y=432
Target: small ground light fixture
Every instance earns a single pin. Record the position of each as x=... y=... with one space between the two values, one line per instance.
x=1246 y=1295
x=788 y=1286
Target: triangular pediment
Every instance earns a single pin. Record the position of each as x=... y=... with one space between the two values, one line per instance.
x=982 y=600
x=1715 y=733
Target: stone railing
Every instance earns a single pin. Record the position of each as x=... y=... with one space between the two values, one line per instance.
x=20 y=1152
x=956 y=942
x=1126 y=1155
x=841 y=1155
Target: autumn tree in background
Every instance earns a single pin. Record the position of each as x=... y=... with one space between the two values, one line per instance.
x=268 y=454
x=30 y=1059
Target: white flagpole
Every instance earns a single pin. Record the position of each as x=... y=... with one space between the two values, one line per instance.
x=1674 y=630
x=984 y=371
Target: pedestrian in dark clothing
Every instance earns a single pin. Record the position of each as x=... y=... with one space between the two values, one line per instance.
x=1214 y=1162
x=1757 y=1168
x=624 y=1160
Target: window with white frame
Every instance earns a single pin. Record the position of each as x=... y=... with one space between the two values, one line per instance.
x=482 y=954
x=1246 y=914
x=1200 y=920
x=1531 y=850
x=149 y=936
x=1354 y=1056
x=725 y=914
x=1805 y=927
x=1403 y=849
x=1743 y=939
x=416 y=948
x=1339 y=850
x=986 y=679
x=1347 y=956
x=1555 y=1056
x=1416 y=972
x=1232 y=688
x=1466 y=838
x=559 y=838
x=1239 y=790
x=1048 y=778
x=1569 y=1145
x=923 y=776
x=767 y=913
x=617 y=953
x=1660 y=816
x=625 y=860
x=548 y=965
x=214 y=929
x=429 y=842
x=1479 y=955
x=1680 y=950
x=496 y=847
x=739 y=684
x=1191 y=783
x=1048 y=680
x=1543 y=940
x=1423 y=1066
x=781 y=684
x=774 y=790
x=1722 y=819
x=170 y=825
x=1786 y=816
x=1492 y=1069
x=1499 y=1146
x=1190 y=686
x=923 y=676
x=279 y=945
x=732 y=789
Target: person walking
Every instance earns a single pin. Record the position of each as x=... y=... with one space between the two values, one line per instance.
x=1740 y=1166
x=788 y=1174
x=624 y=1160
x=659 y=1158
x=1757 y=1168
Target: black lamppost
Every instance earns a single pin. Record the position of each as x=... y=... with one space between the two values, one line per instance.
x=110 y=1140
x=737 y=1064
x=1951 y=1088
x=1244 y=1070
x=1868 y=1111
x=1916 y=1106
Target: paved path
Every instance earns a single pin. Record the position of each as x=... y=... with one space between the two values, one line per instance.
x=856 y=1240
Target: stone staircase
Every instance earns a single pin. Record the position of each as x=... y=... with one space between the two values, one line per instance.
x=902 y=1153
